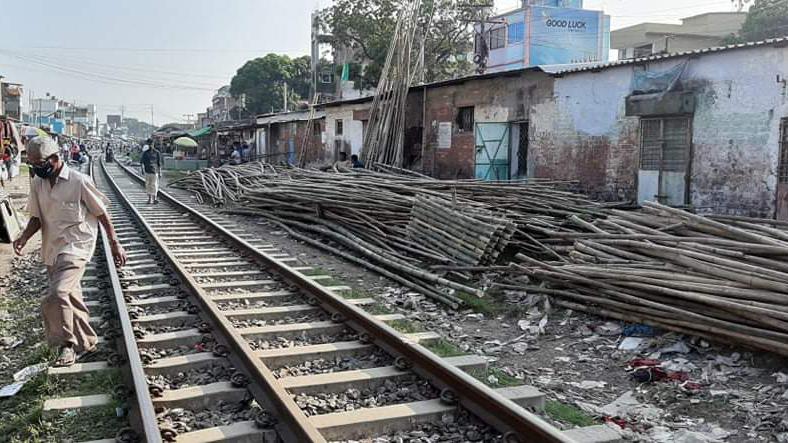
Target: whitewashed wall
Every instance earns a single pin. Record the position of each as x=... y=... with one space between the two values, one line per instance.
x=583 y=133
x=352 y=138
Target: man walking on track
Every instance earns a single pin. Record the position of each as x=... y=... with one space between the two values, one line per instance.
x=66 y=206
x=151 y=167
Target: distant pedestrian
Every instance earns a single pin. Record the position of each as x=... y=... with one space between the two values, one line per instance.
x=235 y=156
x=6 y=158
x=245 y=152
x=66 y=206
x=343 y=162
x=355 y=162
x=151 y=168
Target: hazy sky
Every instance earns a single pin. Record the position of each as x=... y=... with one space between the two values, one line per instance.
x=172 y=55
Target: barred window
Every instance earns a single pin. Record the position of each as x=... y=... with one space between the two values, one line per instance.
x=665 y=144
x=465 y=119
x=498 y=38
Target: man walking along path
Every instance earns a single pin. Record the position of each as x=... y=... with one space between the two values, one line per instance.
x=151 y=168
x=66 y=206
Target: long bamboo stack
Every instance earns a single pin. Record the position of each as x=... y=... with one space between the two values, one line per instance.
x=720 y=277
x=724 y=279
x=372 y=217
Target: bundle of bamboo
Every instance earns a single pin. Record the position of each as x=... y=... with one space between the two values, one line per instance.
x=385 y=135
x=722 y=278
x=467 y=236
x=382 y=219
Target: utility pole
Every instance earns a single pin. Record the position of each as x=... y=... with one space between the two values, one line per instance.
x=482 y=51
x=285 y=97
x=151 y=115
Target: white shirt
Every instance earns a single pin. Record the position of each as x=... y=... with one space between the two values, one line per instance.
x=68 y=212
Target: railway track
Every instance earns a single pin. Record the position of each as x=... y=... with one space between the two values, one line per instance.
x=112 y=390
x=232 y=342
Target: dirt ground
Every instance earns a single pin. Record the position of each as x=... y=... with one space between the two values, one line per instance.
x=723 y=393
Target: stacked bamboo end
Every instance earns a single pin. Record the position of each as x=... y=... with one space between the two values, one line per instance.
x=467 y=236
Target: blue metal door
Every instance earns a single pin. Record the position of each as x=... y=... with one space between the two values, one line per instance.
x=492 y=151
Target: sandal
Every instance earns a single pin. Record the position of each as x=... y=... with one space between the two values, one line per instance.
x=87 y=352
x=67 y=357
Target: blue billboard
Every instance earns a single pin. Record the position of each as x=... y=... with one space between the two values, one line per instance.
x=559 y=36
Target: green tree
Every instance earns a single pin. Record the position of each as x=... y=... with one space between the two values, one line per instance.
x=366 y=27
x=263 y=80
x=765 y=19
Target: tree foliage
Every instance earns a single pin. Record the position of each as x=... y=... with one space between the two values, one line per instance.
x=765 y=19
x=366 y=28
x=262 y=81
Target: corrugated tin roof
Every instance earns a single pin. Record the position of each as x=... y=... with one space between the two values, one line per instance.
x=286 y=117
x=593 y=66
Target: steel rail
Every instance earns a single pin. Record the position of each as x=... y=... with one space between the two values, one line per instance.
x=517 y=424
x=148 y=425
x=294 y=425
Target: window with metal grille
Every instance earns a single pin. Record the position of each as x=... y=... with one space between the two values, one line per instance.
x=498 y=38
x=338 y=127
x=783 y=168
x=665 y=144
x=465 y=119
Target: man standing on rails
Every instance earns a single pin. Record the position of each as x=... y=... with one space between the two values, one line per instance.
x=66 y=206
x=151 y=168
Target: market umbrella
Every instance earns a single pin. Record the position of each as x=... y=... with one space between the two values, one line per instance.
x=30 y=132
x=185 y=142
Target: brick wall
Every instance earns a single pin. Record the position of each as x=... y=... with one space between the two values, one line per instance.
x=500 y=99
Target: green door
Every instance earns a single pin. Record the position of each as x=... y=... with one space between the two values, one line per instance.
x=492 y=151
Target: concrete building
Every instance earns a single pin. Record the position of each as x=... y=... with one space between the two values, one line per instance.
x=700 y=128
x=334 y=66
x=223 y=105
x=544 y=32
x=345 y=126
x=696 y=32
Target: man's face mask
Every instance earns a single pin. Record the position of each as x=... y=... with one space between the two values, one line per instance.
x=44 y=169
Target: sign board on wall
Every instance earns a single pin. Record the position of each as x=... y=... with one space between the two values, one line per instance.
x=444 y=135
x=560 y=35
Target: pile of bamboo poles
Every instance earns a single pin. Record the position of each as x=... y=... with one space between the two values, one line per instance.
x=369 y=217
x=470 y=237
x=720 y=278
x=225 y=183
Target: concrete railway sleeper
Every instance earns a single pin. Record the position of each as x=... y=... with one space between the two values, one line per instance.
x=240 y=346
